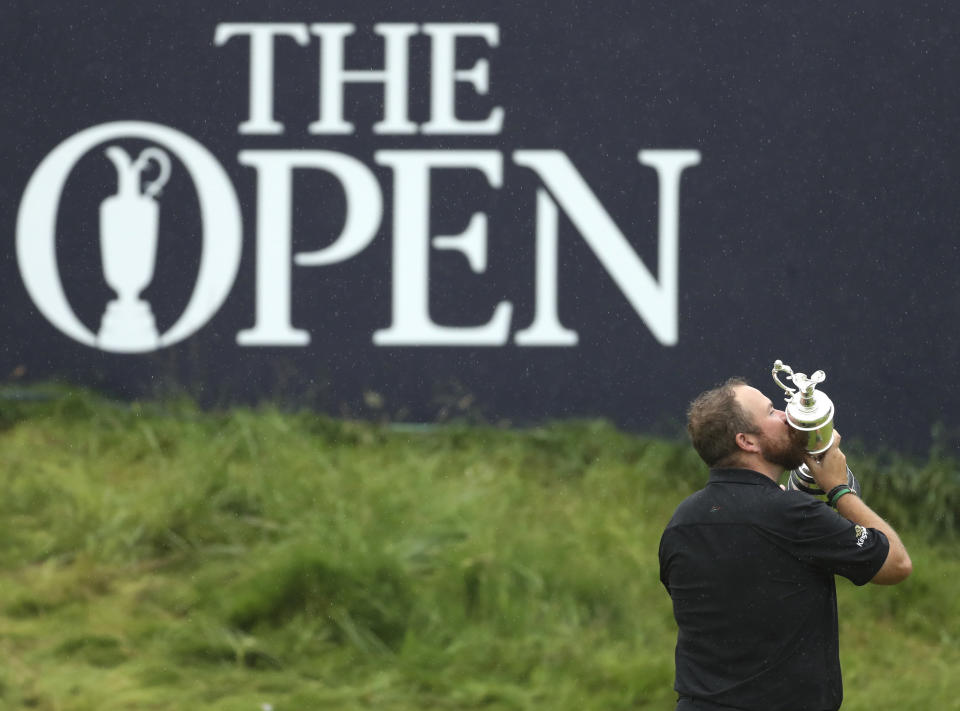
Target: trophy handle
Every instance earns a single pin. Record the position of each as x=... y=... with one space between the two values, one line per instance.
x=163 y=163
x=777 y=367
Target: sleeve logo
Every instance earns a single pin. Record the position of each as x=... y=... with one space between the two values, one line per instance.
x=861 y=534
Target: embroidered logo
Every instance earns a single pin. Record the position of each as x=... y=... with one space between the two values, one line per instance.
x=861 y=534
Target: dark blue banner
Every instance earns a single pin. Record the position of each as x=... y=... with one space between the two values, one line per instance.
x=500 y=211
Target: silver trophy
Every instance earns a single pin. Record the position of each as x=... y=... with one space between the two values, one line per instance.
x=811 y=411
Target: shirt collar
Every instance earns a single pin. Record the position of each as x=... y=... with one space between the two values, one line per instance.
x=740 y=476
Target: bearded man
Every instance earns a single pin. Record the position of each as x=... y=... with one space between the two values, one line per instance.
x=750 y=567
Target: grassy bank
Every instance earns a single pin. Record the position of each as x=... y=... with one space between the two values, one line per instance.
x=171 y=559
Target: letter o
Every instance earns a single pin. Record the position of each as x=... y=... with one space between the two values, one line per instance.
x=220 y=217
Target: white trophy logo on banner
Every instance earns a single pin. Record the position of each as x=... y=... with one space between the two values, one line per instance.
x=129 y=223
x=128 y=246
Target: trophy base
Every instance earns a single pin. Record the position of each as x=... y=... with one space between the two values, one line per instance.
x=128 y=327
x=801 y=480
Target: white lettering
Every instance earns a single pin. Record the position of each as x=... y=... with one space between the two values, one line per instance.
x=333 y=77
x=274 y=225
x=444 y=76
x=412 y=325
x=655 y=303
x=546 y=329
x=219 y=212
x=261 y=67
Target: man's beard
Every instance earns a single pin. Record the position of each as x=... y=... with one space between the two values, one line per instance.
x=788 y=454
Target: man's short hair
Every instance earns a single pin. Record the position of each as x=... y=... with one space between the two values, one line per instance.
x=713 y=420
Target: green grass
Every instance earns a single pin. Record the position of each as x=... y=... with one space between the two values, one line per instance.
x=164 y=558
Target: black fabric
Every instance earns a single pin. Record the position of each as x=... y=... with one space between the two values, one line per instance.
x=750 y=569
x=685 y=703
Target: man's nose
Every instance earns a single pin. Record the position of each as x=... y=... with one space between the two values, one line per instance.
x=782 y=415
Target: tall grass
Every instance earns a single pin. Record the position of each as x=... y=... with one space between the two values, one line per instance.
x=159 y=557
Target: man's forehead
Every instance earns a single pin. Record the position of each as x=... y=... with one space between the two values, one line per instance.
x=749 y=395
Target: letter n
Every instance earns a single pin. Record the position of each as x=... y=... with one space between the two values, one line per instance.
x=653 y=298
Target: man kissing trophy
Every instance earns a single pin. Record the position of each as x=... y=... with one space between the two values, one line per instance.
x=809 y=410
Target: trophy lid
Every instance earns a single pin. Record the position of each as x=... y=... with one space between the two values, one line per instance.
x=807 y=408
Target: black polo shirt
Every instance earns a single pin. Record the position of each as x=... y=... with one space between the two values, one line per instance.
x=750 y=570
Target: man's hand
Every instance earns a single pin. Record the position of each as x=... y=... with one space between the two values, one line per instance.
x=830 y=468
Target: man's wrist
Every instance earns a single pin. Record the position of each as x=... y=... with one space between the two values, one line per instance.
x=838 y=492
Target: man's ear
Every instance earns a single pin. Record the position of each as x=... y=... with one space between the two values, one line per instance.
x=747 y=442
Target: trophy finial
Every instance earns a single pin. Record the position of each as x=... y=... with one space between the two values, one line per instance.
x=807 y=385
